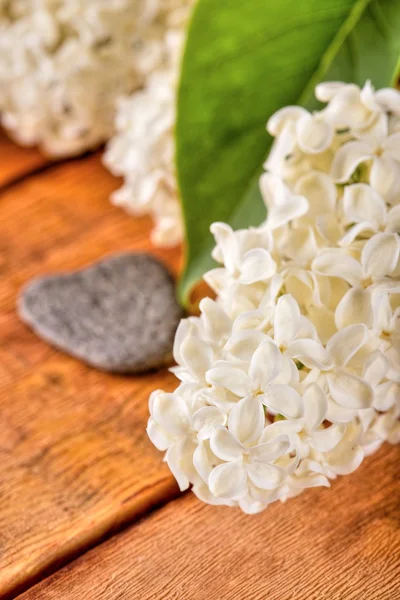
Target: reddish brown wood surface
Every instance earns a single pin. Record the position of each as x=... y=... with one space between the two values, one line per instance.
x=75 y=461
x=15 y=162
x=337 y=544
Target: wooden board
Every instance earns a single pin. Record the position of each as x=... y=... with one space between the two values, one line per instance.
x=17 y=162
x=336 y=544
x=75 y=461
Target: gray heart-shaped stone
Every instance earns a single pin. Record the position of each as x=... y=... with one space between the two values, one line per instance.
x=119 y=315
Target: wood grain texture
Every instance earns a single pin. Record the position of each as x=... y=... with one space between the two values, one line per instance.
x=336 y=544
x=17 y=162
x=75 y=461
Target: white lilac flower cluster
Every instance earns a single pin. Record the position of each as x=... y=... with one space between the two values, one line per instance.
x=292 y=375
x=64 y=64
x=142 y=149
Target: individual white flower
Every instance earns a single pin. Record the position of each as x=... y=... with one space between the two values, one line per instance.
x=246 y=457
x=174 y=427
x=245 y=255
x=366 y=213
x=384 y=155
x=379 y=259
x=348 y=391
x=308 y=433
x=268 y=378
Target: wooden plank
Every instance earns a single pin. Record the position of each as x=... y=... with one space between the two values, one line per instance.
x=75 y=461
x=16 y=162
x=336 y=544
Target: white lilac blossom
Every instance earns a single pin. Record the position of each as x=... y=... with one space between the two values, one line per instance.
x=142 y=149
x=64 y=64
x=292 y=375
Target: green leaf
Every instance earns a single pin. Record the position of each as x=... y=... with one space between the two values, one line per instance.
x=243 y=61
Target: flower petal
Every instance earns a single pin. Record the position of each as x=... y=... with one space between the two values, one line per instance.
x=266 y=364
x=350 y=391
x=250 y=506
x=270 y=451
x=244 y=343
x=385 y=177
x=197 y=356
x=226 y=244
x=339 y=414
x=347 y=159
x=386 y=395
x=325 y=91
x=217 y=279
x=224 y=444
x=345 y=343
x=202 y=491
x=328 y=226
x=246 y=420
x=284 y=400
x=348 y=462
x=289 y=374
x=362 y=229
x=157 y=435
x=391 y=145
x=265 y=476
x=311 y=353
x=313 y=135
x=325 y=440
x=171 y=413
x=286 y=320
x=334 y=262
x=320 y=192
x=393 y=220
x=362 y=203
x=348 y=455
x=217 y=324
x=185 y=327
x=375 y=368
x=380 y=255
x=256 y=265
x=228 y=480
x=283 y=206
x=203 y=460
x=281 y=117
x=382 y=310
x=355 y=307
x=206 y=419
x=174 y=459
x=281 y=149
x=233 y=379
x=389 y=99
x=315 y=406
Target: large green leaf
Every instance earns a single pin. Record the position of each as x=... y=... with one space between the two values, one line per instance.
x=244 y=60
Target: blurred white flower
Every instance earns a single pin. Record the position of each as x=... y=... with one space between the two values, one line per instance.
x=63 y=65
x=142 y=149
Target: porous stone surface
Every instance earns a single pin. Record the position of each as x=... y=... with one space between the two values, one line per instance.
x=119 y=315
